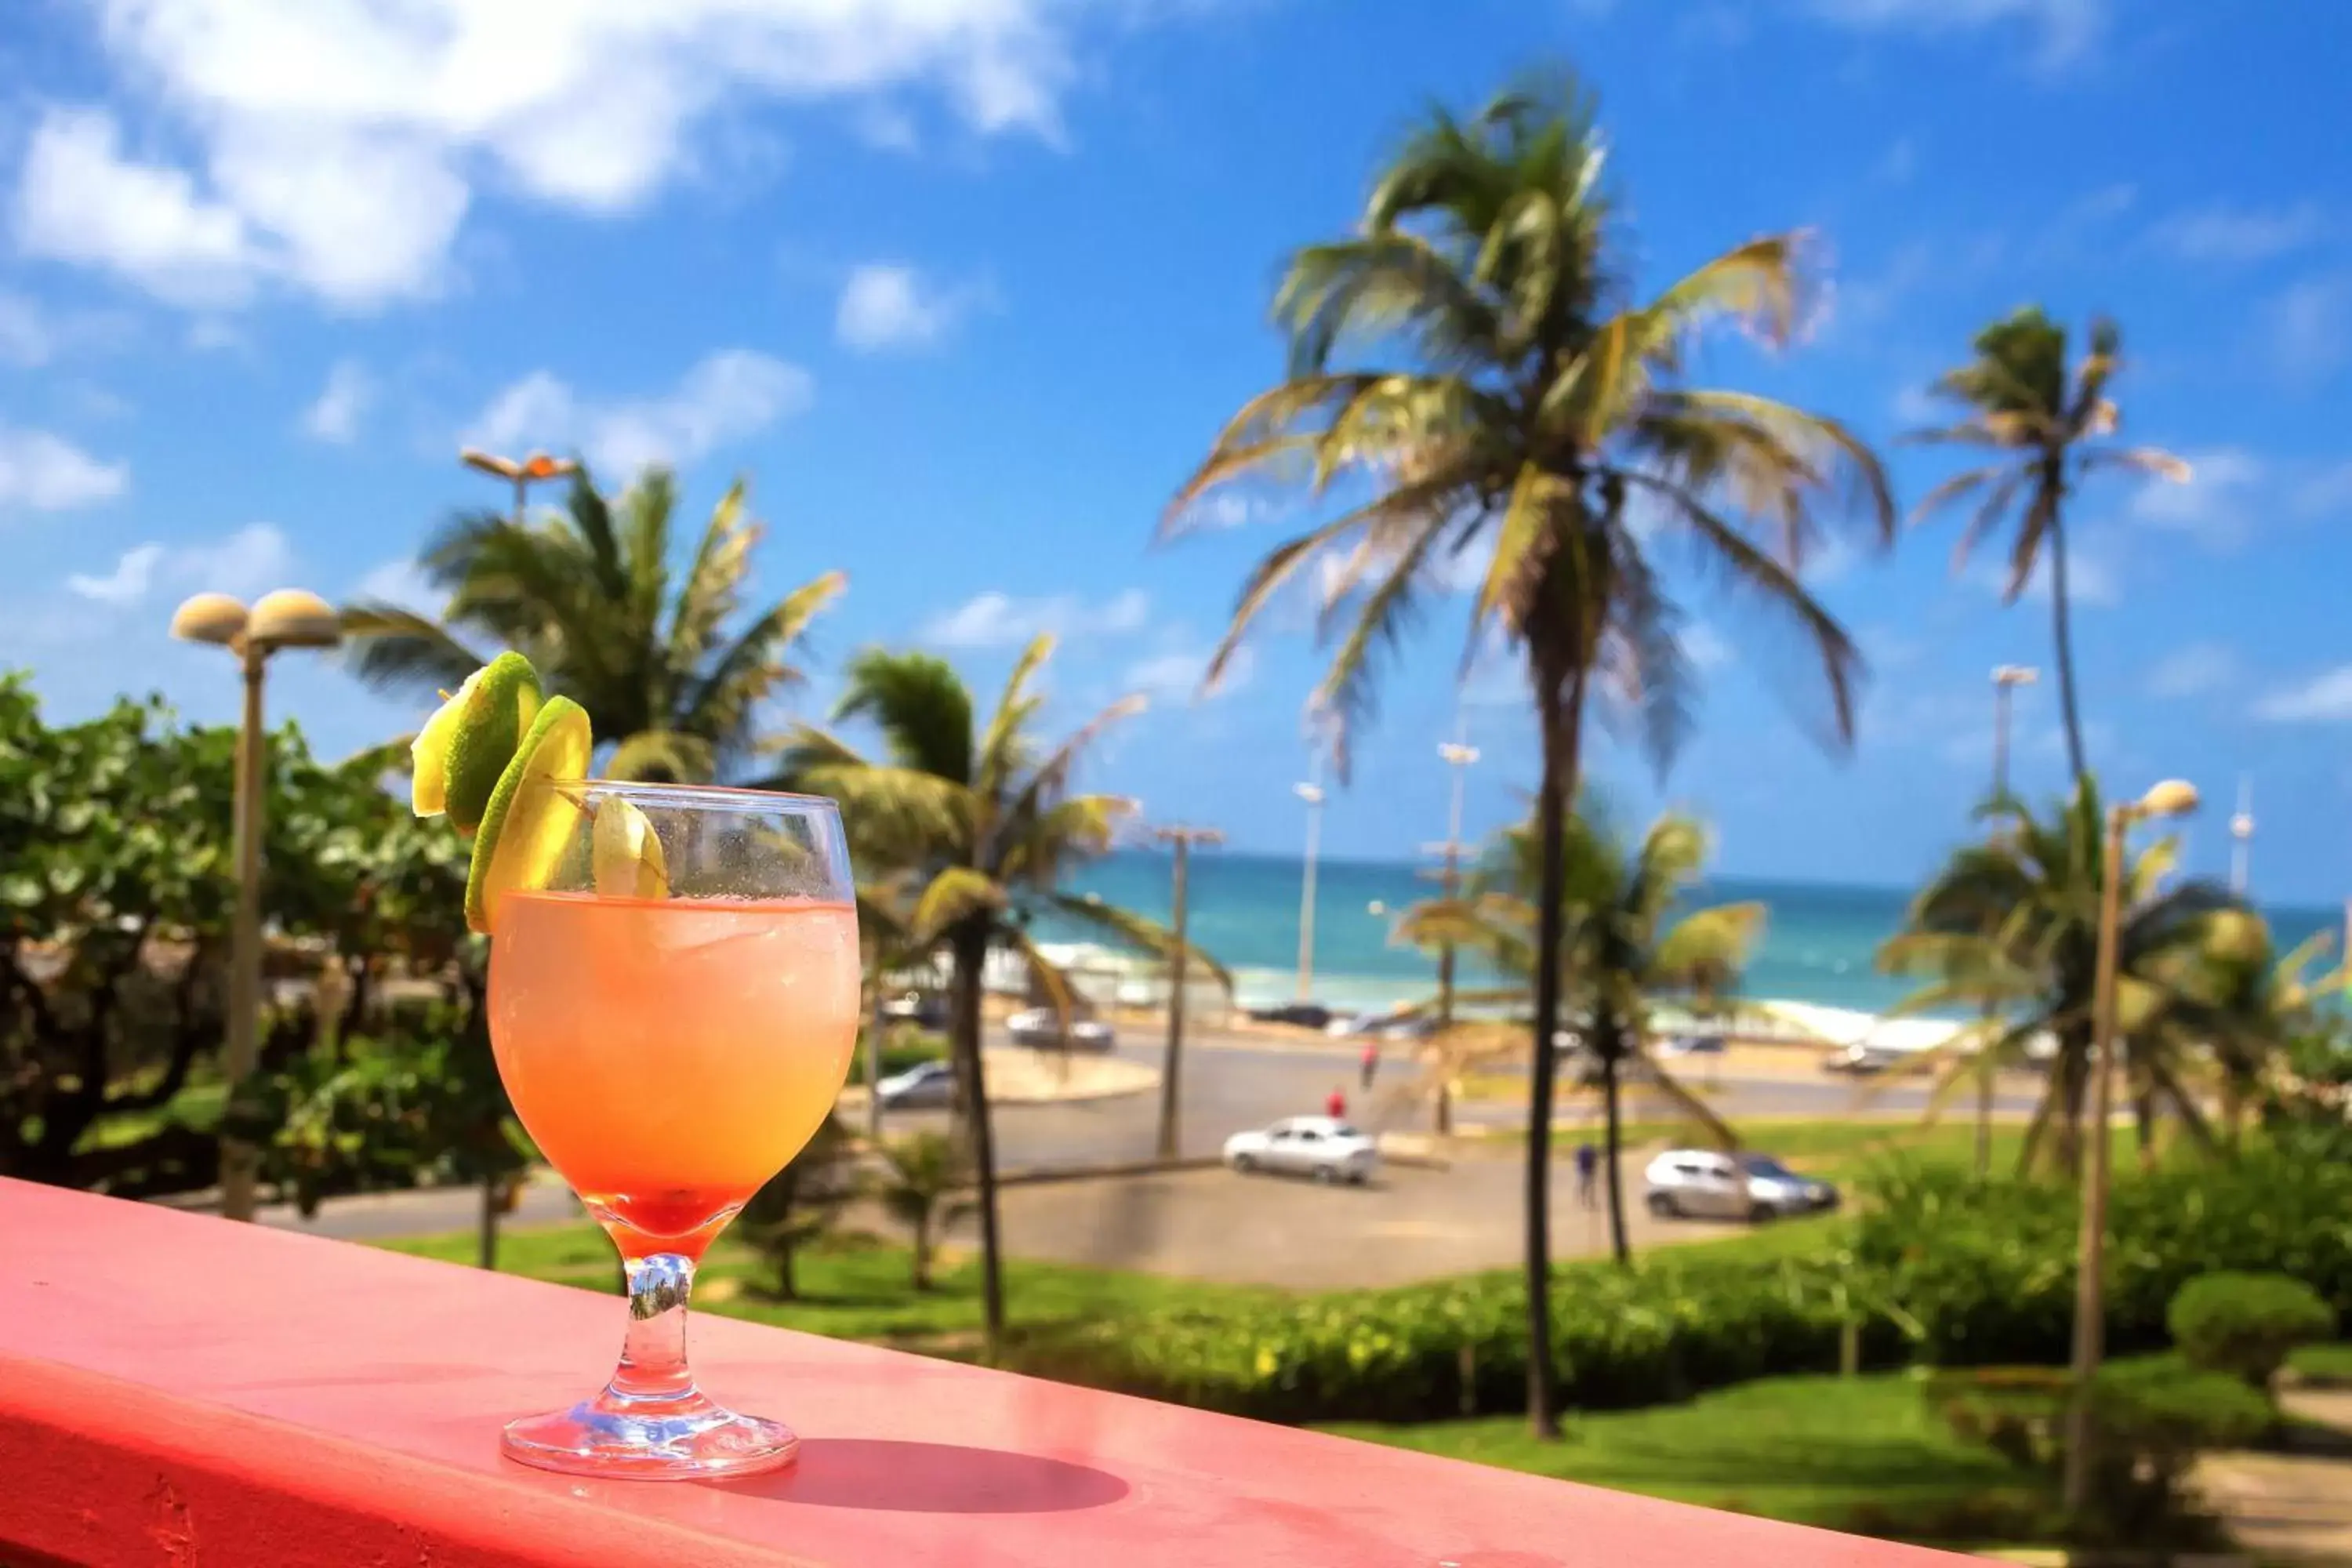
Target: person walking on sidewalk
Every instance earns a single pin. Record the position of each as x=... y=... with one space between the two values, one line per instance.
x=1588 y=1165
x=1371 y=1063
x=1336 y=1108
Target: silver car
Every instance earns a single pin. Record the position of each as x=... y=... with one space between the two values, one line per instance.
x=1320 y=1146
x=1042 y=1026
x=925 y=1083
x=1705 y=1183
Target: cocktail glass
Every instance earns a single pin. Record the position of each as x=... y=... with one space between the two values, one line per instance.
x=670 y=1039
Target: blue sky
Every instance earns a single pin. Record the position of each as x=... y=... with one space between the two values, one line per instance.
x=965 y=287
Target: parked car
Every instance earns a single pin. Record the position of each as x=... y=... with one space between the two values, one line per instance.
x=1303 y=1015
x=1317 y=1146
x=926 y=1008
x=1384 y=1025
x=1691 y=1045
x=1042 y=1027
x=926 y=1083
x=1860 y=1060
x=1705 y=1184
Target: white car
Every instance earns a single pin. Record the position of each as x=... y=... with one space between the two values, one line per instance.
x=1042 y=1027
x=1705 y=1184
x=1320 y=1146
x=926 y=1083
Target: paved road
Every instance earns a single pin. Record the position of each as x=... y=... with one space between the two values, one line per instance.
x=1237 y=1081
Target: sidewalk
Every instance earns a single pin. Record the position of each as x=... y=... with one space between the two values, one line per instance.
x=2290 y=1508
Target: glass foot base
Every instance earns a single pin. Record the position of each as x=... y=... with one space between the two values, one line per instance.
x=688 y=1436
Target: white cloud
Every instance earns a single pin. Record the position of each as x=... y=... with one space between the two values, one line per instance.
x=890 y=305
x=402 y=584
x=334 y=418
x=2197 y=669
x=998 y=620
x=127 y=583
x=47 y=473
x=81 y=199
x=2216 y=504
x=350 y=176
x=2065 y=29
x=1704 y=647
x=2092 y=580
x=250 y=561
x=2325 y=698
x=2307 y=330
x=2223 y=232
x=1178 y=676
x=727 y=397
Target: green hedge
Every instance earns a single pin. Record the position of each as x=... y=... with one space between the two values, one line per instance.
x=1943 y=1269
x=2244 y=1324
x=1666 y=1330
x=1987 y=1267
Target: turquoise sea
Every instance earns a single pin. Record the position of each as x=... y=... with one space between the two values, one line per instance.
x=1818 y=947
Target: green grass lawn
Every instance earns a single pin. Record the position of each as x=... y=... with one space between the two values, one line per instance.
x=855 y=1288
x=2327 y=1364
x=1844 y=1452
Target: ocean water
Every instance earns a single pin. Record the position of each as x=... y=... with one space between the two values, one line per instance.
x=1820 y=942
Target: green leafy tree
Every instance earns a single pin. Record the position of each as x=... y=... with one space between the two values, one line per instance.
x=923 y=1176
x=800 y=1204
x=983 y=819
x=1472 y=374
x=670 y=666
x=1627 y=945
x=2011 y=928
x=114 y=906
x=2046 y=431
x=115 y=898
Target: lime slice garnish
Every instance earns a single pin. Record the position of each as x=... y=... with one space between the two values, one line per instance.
x=464 y=748
x=525 y=832
x=626 y=856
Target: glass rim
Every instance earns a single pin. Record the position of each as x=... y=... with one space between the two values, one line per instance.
x=694 y=797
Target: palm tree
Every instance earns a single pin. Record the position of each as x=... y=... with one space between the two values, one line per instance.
x=2261 y=1002
x=665 y=664
x=1623 y=942
x=2011 y=927
x=2046 y=431
x=921 y=1178
x=983 y=819
x=1535 y=409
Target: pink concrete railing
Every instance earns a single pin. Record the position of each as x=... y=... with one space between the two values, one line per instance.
x=178 y=1390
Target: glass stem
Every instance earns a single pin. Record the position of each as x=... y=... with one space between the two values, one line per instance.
x=652 y=1357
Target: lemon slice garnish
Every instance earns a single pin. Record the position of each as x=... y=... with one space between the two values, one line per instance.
x=625 y=856
x=468 y=743
x=525 y=832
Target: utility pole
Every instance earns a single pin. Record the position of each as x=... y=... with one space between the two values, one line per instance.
x=1311 y=792
x=2006 y=678
x=1458 y=755
x=2242 y=835
x=1183 y=839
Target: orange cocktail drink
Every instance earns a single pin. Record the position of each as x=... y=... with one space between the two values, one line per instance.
x=670 y=1055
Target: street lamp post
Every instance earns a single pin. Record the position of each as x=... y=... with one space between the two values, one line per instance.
x=1311 y=792
x=286 y=618
x=1183 y=838
x=2173 y=798
x=1458 y=755
x=522 y=473
x=2242 y=836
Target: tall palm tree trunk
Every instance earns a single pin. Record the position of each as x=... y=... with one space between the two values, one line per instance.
x=969 y=948
x=1560 y=695
x=1612 y=1144
x=2062 y=633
